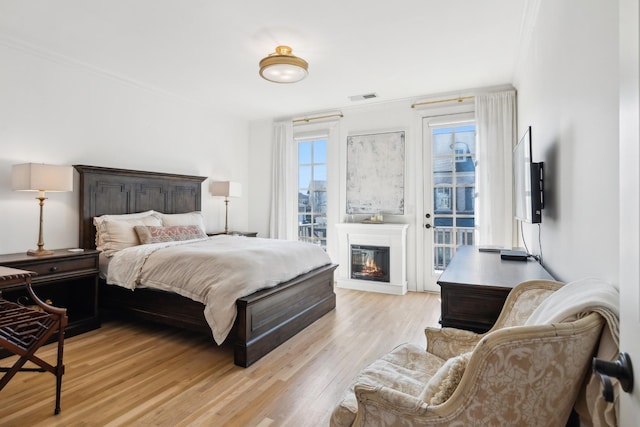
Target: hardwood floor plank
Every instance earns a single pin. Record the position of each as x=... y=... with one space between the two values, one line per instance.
x=145 y=374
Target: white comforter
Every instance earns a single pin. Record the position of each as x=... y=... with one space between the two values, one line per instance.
x=215 y=271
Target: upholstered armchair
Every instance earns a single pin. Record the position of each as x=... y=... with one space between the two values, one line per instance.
x=511 y=375
x=520 y=303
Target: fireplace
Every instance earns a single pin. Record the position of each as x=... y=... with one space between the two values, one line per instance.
x=372 y=257
x=370 y=263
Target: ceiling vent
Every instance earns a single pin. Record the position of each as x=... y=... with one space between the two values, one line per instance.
x=363 y=97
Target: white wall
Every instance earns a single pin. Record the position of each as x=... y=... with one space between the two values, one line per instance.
x=58 y=112
x=567 y=84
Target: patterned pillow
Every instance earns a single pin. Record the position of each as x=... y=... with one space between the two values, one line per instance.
x=445 y=381
x=172 y=233
x=119 y=234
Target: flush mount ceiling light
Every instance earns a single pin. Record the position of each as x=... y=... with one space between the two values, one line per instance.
x=282 y=66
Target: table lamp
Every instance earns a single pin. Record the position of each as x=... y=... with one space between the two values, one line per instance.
x=226 y=189
x=41 y=178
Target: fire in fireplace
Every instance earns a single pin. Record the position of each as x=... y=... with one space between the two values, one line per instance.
x=370 y=263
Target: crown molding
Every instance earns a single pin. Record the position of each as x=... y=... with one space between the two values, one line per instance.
x=67 y=61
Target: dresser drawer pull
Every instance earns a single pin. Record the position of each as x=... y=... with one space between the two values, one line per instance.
x=54 y=268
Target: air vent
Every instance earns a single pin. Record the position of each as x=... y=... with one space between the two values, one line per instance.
x=363 y=97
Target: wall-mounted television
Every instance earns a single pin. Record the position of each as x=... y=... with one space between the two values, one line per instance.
x=528 y=182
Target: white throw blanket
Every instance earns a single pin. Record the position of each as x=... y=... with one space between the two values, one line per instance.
x=574 y=300
x=215 y=271
x=578 y=298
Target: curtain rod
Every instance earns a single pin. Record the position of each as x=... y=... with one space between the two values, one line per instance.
x=458 y=99
x=308 y=119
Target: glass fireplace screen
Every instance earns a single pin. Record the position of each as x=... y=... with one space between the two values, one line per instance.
x=370 y=263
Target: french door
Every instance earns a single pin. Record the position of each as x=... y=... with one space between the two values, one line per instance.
x=449 y=148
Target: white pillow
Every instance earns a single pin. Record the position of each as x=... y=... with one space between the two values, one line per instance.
x=445 y=381
x=98 y=222
x=117 y=233
x=189 y=218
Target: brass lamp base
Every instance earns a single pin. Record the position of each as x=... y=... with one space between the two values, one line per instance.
x=39 y=252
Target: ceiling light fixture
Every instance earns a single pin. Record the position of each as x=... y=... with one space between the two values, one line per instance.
x=282 y=66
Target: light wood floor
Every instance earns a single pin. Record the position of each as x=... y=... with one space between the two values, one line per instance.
x=134 y=375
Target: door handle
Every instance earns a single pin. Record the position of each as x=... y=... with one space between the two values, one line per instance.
x=427 y=226
x=620 y=369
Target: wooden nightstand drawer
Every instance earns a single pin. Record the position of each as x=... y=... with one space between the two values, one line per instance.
x=68 y=278
x=61 y=266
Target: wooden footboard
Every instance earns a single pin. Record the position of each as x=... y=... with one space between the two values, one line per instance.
x=269 y=317
x=265 y=319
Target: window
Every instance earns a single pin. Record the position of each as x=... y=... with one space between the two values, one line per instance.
x=312 y=190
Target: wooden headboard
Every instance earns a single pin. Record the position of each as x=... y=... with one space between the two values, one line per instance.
x=121 y=191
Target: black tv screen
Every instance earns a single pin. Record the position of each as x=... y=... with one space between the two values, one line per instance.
x=528 y=191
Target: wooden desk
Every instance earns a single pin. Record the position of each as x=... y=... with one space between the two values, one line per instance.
x=475 y=285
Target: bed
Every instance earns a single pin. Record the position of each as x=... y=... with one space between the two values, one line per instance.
x=265 y=319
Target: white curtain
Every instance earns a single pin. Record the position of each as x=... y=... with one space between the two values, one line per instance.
x=496 y=127
x=280 y=219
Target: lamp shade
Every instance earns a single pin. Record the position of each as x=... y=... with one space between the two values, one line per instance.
x=225 y=188
x=41 y=177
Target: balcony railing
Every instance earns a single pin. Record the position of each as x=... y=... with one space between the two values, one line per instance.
x=313 y=233
x=446 y=241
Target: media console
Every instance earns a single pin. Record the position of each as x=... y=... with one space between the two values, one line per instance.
x=475 y=285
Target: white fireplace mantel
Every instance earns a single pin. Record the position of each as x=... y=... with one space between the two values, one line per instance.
x=393 y=236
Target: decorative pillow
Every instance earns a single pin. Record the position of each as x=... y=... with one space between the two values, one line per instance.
x=189 y=218
x=98 y=222
x=116 y=235
x=445 y=381
x=153 y=234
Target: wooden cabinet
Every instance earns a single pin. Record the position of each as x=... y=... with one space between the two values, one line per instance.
x=475 y=285
x=68 y=279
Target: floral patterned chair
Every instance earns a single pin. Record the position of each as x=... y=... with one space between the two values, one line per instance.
x=511 y=375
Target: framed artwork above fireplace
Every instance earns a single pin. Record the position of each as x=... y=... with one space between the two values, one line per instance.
x=375 y=173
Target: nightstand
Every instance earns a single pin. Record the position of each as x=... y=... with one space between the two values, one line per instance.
x=235 y=233
x=68 y=279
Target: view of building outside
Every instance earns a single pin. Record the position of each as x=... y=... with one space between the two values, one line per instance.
x=454 y=186
x=312 y=191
